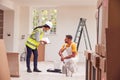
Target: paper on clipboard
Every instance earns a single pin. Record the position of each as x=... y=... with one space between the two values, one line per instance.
x=46 y=40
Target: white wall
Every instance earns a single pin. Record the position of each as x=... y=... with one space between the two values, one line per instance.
x=6 y=4
x=16 y=23
x=8 y=29
x=67 y=23
x=24 y=27
x=9 y=24
x=16 y=28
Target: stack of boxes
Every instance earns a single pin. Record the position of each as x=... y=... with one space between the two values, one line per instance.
x=103 y=64
x=96 y=68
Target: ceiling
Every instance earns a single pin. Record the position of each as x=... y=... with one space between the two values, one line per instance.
x=55 y=2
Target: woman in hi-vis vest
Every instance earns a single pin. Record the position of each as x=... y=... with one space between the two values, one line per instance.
x=33 y=42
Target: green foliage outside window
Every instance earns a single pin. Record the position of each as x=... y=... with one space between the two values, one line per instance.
x=41 y=16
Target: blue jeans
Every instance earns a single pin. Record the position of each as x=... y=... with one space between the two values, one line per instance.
x=35 y=53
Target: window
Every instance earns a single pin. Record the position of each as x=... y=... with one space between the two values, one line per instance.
x=41 y=16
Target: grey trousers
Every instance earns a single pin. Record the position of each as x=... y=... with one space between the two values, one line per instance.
x=69 y=68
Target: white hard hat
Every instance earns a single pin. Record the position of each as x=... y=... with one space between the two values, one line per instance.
x=49 y=24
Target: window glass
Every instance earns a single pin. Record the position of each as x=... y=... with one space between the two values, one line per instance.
x=41 y=16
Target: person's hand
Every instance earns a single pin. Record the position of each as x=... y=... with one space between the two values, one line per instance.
x=62 y=59
x=43 y=42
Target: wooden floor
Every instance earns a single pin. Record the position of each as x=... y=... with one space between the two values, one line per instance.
x=44 y=75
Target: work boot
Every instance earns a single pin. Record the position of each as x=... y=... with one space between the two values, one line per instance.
x=29 y=70
x=36 y=70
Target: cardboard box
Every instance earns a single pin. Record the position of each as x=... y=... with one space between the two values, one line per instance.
x=13 y=62
x=4 y=69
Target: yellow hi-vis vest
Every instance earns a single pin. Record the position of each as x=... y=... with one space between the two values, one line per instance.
x=31 y=41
